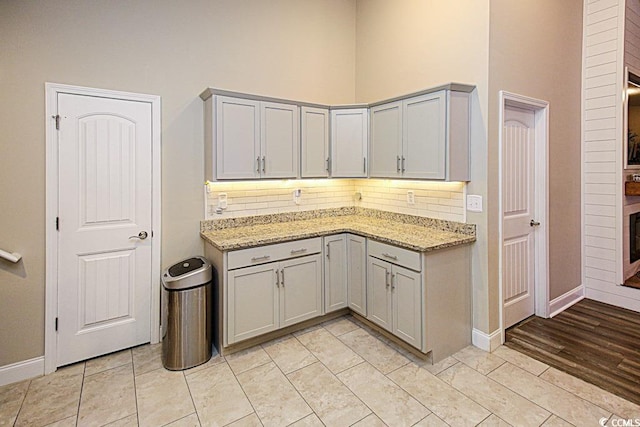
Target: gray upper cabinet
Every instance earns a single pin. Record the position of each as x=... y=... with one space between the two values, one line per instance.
x=250 y=139
x=279 y=140
x=422 y=137
x=314 y=142
x=237 y=135
x=349 y=142
x=425 y=135
x=386 y=140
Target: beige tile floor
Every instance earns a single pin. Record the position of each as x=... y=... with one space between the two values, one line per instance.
x=337 y=374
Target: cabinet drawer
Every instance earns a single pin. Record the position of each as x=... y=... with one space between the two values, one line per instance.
x=276 y=252
x=395 y=255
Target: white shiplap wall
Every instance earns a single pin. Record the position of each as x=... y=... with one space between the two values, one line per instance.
x=632 y=36
x=602 y=76
x=602 y=150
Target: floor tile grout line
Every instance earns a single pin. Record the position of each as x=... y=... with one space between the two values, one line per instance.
x=296 y=390
x=580 y=397
x=84 y=370
x=193 y=402
x=540 y=406
x=22 y=402
x=479 y=403
x=335 y=375
x=244 y=391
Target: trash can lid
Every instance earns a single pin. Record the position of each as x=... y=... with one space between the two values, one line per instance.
x=186 y=266
x=187 y=274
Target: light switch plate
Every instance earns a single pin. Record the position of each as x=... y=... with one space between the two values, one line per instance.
x=474 y=203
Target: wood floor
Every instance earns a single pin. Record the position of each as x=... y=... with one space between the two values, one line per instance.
x=596 y=342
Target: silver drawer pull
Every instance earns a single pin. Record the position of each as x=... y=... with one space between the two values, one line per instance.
x=298 y=251
x=393 y=257
x=260 y=258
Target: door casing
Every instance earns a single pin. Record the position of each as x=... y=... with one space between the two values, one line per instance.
x=51 y=234
x=541 y=174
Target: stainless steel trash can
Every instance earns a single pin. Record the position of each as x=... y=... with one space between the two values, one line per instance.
x=187 y=313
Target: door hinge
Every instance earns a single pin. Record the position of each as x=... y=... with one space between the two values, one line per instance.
x=57 y=119
x=56 y=324
x=58 y=223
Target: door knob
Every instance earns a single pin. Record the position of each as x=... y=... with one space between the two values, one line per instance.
x=534 y=223
x=141 y=235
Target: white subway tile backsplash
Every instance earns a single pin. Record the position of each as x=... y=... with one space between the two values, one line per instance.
x=432 y=199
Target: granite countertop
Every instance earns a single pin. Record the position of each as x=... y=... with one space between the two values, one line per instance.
x=407 y=231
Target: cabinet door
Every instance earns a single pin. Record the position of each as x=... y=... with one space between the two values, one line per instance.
x=237 y=138
x=357 y=274
x=406 y=290
x=252 y=302
x=386 y=140
x=424 y=136
x=314 y=142
x=349 y=141
x=379 y=293
x=335 y=272
x=279 y=140
x=300 y=289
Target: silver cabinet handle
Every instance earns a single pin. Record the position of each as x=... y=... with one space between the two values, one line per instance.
x=258 y=162
x=364 y=165
x=277 y=278
x=141 y=235
x=264 y=165
x=298 y=251
x=260 y=258
x=328 y=250
x=534 y=223
x=393 y=280
x=393 y=257
x=282 y=277
x=386 y=278
x=398 y=164
x=327 y=164
x=403 y=169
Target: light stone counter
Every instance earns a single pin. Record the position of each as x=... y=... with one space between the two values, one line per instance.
x=407 y=231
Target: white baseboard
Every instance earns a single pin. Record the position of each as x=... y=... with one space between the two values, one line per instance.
x=566 y=300
x=20 y=371
x=486 y=342
x=614 y=299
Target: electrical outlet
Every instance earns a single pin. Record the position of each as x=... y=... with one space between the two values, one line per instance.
x=222 y=200
x=474 y=203
x=411 y=198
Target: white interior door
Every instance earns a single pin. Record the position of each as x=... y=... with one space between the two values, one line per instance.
x=519 y=222
x=105 y=217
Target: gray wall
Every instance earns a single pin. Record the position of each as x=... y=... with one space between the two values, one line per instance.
x=286 y=48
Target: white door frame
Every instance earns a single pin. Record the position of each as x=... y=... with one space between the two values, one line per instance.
x=51 y=248
x=541 y=212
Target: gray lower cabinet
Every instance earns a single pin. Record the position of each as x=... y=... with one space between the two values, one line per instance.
x=357 y=274
x=395 y=300
x=335 y=272
x=345 y=273
x=266 y=297
x=422 y=298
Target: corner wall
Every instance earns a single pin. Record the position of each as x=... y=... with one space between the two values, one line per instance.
x=536 y=50
x=407 y=45
x=284 y=48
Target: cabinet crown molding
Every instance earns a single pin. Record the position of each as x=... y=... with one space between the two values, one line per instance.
x=456 y=87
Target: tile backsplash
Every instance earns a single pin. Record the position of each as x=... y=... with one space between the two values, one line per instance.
x=441 y=200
